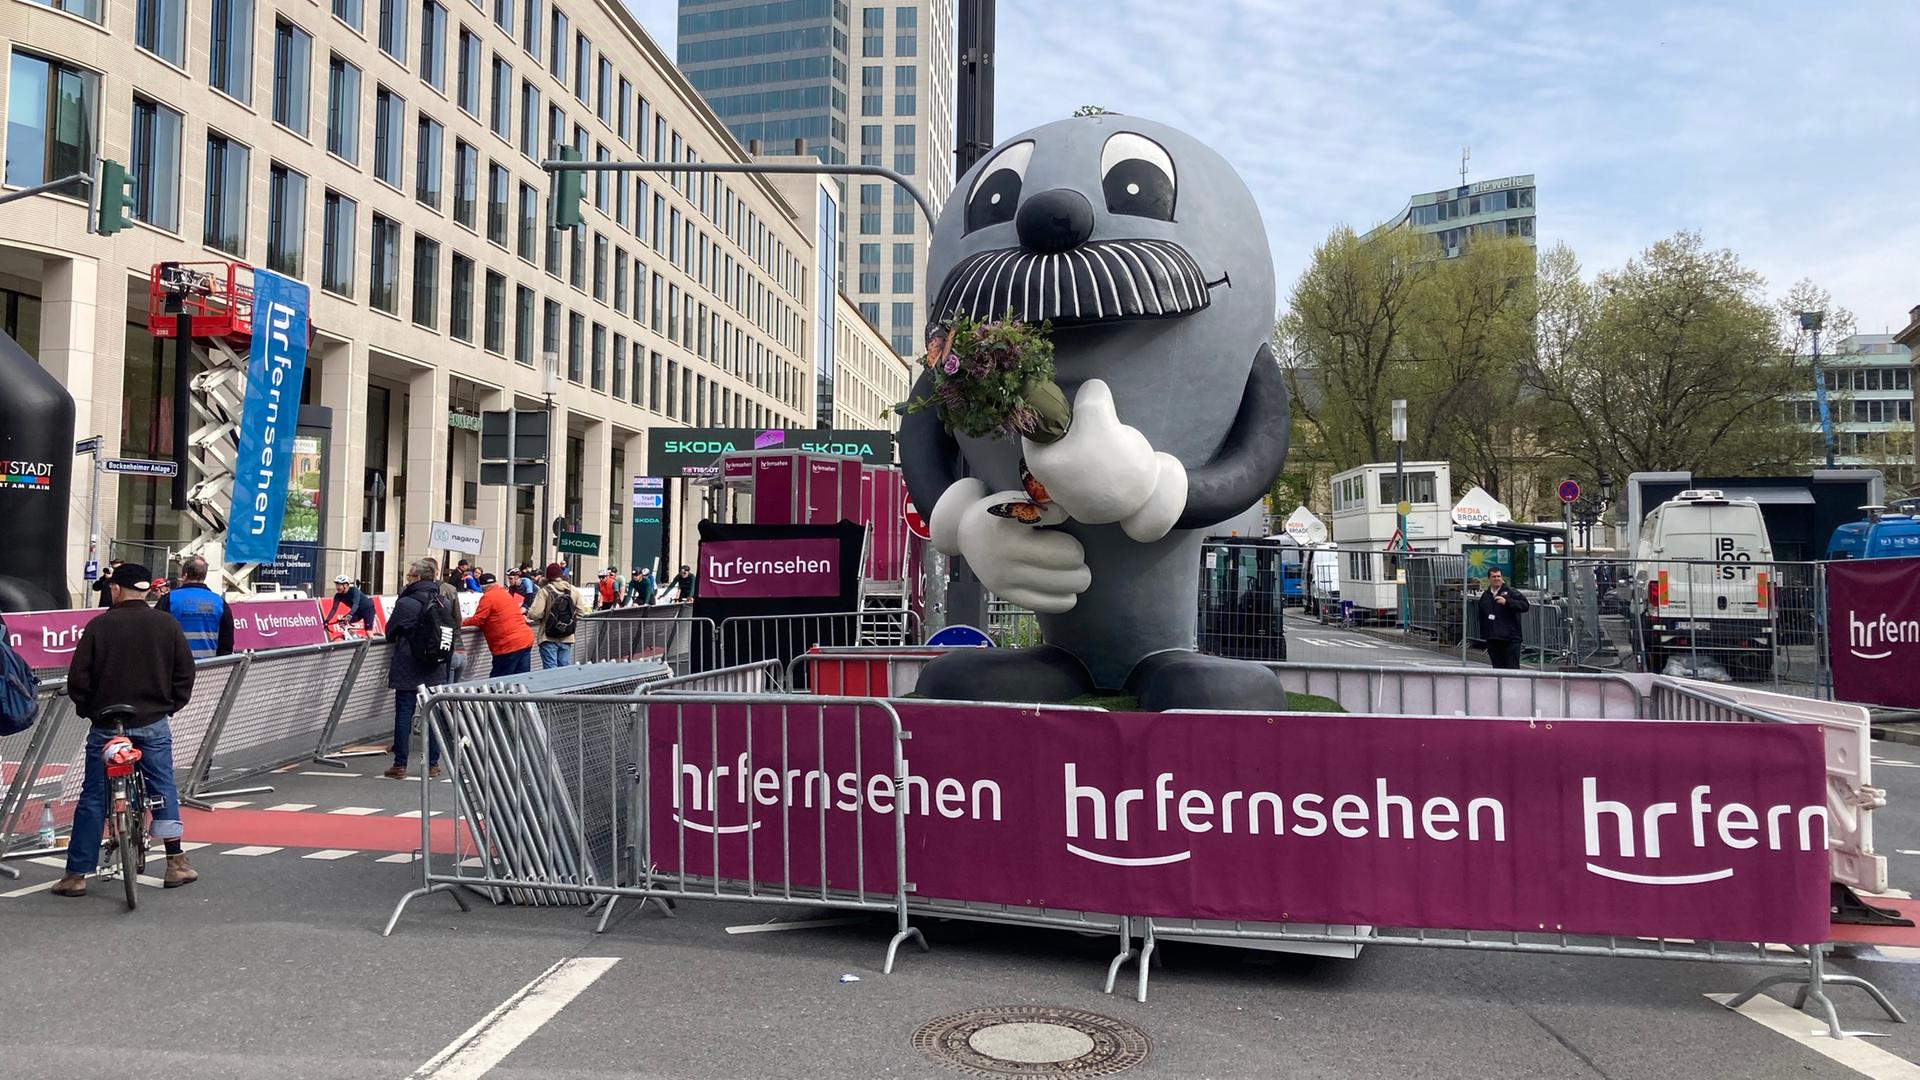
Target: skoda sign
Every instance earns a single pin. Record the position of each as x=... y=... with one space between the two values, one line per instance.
x=691 y=452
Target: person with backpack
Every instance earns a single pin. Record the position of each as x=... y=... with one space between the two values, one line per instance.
x=423 y=627
x=202 y=614
x=556 y=618
x=19 y=689
x=504 y=626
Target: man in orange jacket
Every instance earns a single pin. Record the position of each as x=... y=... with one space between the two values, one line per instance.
x=504 y=624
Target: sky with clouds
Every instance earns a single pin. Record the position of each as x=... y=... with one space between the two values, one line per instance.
x=1788 y=131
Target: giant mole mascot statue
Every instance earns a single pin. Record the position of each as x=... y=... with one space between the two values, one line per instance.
x=1145 y=250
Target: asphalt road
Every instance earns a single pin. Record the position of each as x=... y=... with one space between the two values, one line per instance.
x=273 y=966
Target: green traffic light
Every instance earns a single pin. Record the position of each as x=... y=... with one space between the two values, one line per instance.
x=569 y=191
x=114 y=199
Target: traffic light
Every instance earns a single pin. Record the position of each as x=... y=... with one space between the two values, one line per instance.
x=113 y=198
x=569 y=190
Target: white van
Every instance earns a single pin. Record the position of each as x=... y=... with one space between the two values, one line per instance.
x=1702 y=582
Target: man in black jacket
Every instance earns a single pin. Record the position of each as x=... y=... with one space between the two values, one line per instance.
x=135 y=656
x=1499 y=609
x=406 y=674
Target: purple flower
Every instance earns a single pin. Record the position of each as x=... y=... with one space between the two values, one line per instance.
x=952 y=365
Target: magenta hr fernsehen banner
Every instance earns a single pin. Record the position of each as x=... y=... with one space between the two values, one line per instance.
x=1710 y=831
x=1873 y=630
x=46 y=639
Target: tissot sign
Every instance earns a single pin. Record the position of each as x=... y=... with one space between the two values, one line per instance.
x=1712 y=831
x=691 y=451
x=1873 y=620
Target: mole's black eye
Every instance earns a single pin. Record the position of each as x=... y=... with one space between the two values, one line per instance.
x=1136 y=174
x=996 y=191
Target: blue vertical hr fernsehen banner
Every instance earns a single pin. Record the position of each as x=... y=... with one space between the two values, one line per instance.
x=275 y=366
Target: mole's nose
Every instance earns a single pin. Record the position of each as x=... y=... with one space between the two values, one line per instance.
x=1054 y=220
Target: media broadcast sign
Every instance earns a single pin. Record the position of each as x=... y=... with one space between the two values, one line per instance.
x=693 y=452
x=753 y=569
x=1873 y=630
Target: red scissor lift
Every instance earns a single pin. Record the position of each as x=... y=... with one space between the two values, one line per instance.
x=216 y=297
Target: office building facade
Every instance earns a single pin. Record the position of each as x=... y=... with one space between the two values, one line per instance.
x=868 y=83
x=384 y=152
x=1870 y=405
x=1453 y=217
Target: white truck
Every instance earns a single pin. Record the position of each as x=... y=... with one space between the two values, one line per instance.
x=1703 y=581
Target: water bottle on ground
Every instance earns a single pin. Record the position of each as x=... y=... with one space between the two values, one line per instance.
x=46 y=827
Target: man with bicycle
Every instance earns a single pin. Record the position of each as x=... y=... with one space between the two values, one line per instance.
x=136 y=657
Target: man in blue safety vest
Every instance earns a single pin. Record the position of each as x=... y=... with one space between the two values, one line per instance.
x=203 y=616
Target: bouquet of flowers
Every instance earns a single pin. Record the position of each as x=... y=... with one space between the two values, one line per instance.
x=994 y=379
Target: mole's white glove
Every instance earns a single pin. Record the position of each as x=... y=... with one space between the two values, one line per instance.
x=1043 y=570
x=1102 y=471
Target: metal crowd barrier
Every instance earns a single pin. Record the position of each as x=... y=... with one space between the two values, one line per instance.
x=552 y=799
x=763 y=677
x=1467 y=691
x=862 y=670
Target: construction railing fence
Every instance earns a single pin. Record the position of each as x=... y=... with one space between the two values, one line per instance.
x=256 y=712
x=553 y=804
x=1732 y=621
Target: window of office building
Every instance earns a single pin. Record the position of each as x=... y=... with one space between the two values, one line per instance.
x=872 y=88
x=498 y=187
x=393 y=29
x=230 y=49
x=427 y=163
x=503 y=15
x=336 y=249
x=869 y=268
x=389 y=140
x=460 y=317
x=557 y=47
x=467 y=89
x=582 y=65
x=529 y=224
x=556 y=239
x=495 y=306
x=500 y=118
x=226 y=209
x=160 y=27
x=155 y=164
x=292 y=76
x=348 y=11
x=873 y=25
x=906 y=87
x=624 y=110
x=903 y=268
x=466 y=182
x=599 y=373
x=51 y=112
x=906 y=215
x=286 y=221
x=577 y=258
x=600 y=179
x=523 y=325
x=870 y=144
x=531 y=19
x=530 y=119
x=343 y=110
x=599 y=267
x=383 y=285
x=576 y=346
x=550 y=329
x=903 y=148
x=426 y=281
x=603 y=91
x=869 y=208
x=906 y=31
x=433 y=44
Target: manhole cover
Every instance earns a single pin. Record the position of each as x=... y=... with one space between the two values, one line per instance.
x=1033 y=1041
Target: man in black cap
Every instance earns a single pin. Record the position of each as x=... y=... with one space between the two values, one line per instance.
x=135 y=656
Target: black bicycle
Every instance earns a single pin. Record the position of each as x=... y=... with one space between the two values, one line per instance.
x=124 y=850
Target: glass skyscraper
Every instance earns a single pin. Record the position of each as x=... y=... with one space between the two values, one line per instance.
x=868 y=83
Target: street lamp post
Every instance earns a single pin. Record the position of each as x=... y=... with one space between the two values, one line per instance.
x=1401 y=503
x=552 y=361
x=1813 y=321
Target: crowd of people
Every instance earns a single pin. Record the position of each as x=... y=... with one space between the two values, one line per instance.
x=158 y=627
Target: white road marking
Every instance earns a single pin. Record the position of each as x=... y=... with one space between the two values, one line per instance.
x=797 y=924
x=329 y=854
x=416 y=813
x=1895 y=764
x=355 y=811
x=473 y=862
x=251 y=849
x=292 y=807
x=401 y=857
x=1899 y=954
x=1857 y=1054
x=49 y=860
x=341 y=773
x=232 y=804
x=31 y=889
x=192 y=845
x=501 y=1031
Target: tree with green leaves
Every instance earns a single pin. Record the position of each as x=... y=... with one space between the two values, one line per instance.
x=1675 y=361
